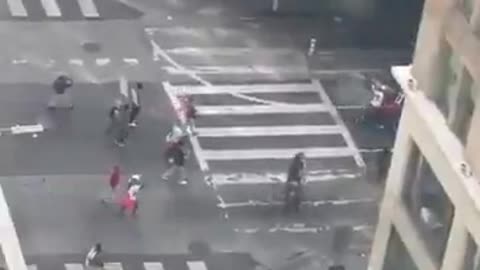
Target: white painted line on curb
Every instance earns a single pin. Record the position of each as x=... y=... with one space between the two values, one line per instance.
x=285 y=153
x=17 y=8
x=102 y=61
x=261 y=109
x=250 y=131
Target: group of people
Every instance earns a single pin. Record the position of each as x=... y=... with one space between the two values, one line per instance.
x=127 y=198
x=123 y=115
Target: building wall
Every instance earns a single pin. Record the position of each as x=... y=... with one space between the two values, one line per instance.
x=430 y=213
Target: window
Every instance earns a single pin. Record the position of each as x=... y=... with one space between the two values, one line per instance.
x=472 y=256
x=397 y=256
x=467 y=8
x=428 y=205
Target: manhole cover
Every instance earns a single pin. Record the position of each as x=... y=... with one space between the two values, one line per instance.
x=91 y=47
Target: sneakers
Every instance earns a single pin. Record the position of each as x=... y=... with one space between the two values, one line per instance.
x=133 y=124
x=183 y=182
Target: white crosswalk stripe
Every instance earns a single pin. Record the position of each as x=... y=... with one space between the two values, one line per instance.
x=51 y=8
x=321 y=105
x=17 y=8
x=87 y=8
x=191 y=265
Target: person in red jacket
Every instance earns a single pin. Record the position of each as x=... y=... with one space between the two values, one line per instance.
x=113 y=182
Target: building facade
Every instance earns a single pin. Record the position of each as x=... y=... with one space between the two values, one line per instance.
x=430 y=213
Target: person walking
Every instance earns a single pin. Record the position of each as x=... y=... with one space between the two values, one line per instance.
x=176 y=156
x=113 y=116
x=295 y=179
x=130 y=200
x=93 y=259
x=113 y=182
x=190 y=114
x=135 y=179
x=135 y=104
x=122 y=125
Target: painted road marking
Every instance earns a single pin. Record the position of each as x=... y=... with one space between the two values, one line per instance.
x=245 y=89
x=262 y=109
x=102 y=61
x=287 y=153
x=131 y=61
x=77 y=62
x=88 y=8
x=153 y=266
x=268 y=131
x=214 y=70
x=17 y=8
x=338 y=119
x=280 y=178
x=51 y=8
x=302 y=228
x=112 y=266
x=73 y=266
x=305 y=203
x=196 y=265
x=222 y=51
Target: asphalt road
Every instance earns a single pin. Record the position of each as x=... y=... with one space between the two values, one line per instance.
x=53 y=182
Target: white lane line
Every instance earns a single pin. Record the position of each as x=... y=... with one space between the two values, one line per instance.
x=88 y=8
x=268 y=131
x=17 y=8
x=51 y=8
x=102 y=61
x=112 y=266
x=196 y=265
x=262 y=109
x=19 y=61
x=73 y=266
x=131 y=61
x=76 y=62
x=301 y=228
x=255 y=179
x=197 y=150
x=343 y=71
x=305 y=203
x=247 y=89
x=338 y=119
x=221 y=51
x=153 y=266
x=287 y=153
x=217 y=70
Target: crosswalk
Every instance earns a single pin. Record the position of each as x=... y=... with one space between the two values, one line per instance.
x=189 y=265
x=235 y=142
x=52 y=8
x=213 y=261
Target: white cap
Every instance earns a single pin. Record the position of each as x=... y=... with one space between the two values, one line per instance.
x=136 y=176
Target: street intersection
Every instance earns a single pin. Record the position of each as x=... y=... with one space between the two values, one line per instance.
x=260 y=98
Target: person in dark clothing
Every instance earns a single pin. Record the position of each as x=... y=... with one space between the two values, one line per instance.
x=122 y=125
x=293 y=188
x=190 y=115
x=176 y=156
x=135 y=104
x=383 y=164
x=113 y=115
x=60 y=99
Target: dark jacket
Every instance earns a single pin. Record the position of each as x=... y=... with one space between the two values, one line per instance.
x=61 y=84
x=296 y=170
x=176 y=155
